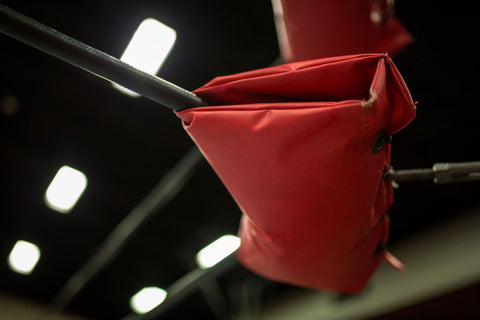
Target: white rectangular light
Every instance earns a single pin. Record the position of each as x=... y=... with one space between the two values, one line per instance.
x=217 y=251
x=148 y=48
x=147 y=299
x=65 y=189
x=23 y=257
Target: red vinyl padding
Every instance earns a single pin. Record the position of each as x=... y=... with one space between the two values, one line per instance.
x=293 y=145
x=312 y=29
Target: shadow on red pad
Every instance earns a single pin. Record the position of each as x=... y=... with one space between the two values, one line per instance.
x=303 y=148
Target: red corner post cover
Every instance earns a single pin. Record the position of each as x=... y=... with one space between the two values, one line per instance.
x=293 y=145
x=312 y=29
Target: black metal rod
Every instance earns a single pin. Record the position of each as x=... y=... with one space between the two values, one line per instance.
x=410 y=175
x=63 y=47
x=440 y=173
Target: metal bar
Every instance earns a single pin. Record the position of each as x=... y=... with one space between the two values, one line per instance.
x=456 y=172
x=459 y=167
x=410 y=175
x=153 y=202
x=185 y=286
x=74 y=52
x=440 y=173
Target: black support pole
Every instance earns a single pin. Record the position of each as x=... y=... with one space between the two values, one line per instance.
x=74 y=52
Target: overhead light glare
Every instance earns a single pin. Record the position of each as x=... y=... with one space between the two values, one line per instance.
x=149 y=47
x=24 y=257
x=65 y=189
x=147 y=299
x=217 y=251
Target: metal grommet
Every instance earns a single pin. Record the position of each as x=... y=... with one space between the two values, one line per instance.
x=380 y=140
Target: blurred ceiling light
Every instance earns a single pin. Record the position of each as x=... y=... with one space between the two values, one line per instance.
x=147 y=299
x=148 y=48
x=9 y=105
x=65 y=189
x=23 y=257
x=217 y=251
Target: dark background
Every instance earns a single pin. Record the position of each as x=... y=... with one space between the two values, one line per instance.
x=125 y=146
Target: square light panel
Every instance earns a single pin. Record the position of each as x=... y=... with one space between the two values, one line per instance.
x=24 y=257
x=65 y=189
x=147 y=299
x=217 y=251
